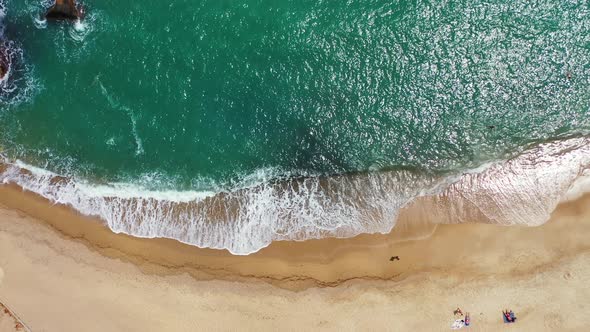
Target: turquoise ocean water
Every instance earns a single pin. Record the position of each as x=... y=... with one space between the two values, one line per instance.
x=230 y=124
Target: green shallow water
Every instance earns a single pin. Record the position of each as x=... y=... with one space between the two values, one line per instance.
x=200 y=94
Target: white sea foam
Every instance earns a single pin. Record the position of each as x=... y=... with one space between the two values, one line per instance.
x=580 y=187
x=82 y=28
x=18 y=84
x=10 y=54
x=111 y=190
x=39 y=22
x=524 y=191
x=132 y=117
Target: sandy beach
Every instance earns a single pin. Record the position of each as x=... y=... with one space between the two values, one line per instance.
x=294 y=166
x=60 y=271
x=9 y=321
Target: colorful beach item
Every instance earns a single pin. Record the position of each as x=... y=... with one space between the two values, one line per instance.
x=457 y=324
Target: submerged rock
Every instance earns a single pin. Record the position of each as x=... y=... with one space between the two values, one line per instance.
x=64 y=10
x=4 y=62
x=3 y=70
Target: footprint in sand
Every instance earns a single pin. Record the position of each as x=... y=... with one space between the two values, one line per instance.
x=553 y=321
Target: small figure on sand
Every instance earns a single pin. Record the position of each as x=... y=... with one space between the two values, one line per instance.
x=394 y=258
x=461 y=320
x=508 y=316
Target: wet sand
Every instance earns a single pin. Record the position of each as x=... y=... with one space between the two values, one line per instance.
x=64 y=272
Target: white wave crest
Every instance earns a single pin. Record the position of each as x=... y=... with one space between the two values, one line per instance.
x=524 y=190
x=40 y=22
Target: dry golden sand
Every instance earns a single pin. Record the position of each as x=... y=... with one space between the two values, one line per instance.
x=63 y=272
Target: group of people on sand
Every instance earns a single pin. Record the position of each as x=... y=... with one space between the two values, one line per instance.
x=508 y=315
x=460 y=323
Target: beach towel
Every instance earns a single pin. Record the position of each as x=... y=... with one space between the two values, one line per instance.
x=506 y=319
x=457 y=324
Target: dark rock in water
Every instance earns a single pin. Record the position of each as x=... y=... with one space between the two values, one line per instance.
x=64 y=10
x=3 y=70
x=4 y=62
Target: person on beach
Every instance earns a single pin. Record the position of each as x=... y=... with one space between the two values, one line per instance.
x=458 y=311
x=508 y=316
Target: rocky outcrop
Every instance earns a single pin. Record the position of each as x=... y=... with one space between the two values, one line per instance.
x=3 y=69
x=64 y=10
x=4 y=61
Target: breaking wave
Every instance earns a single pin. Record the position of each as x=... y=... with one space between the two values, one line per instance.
x=18 y=84
x=521 y=191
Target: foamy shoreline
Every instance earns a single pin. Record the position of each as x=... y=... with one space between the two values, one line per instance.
x=64 y=272
x=523 y=190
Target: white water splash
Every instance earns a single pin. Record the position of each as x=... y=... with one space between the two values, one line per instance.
x=524 y=191
x=116 y=105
